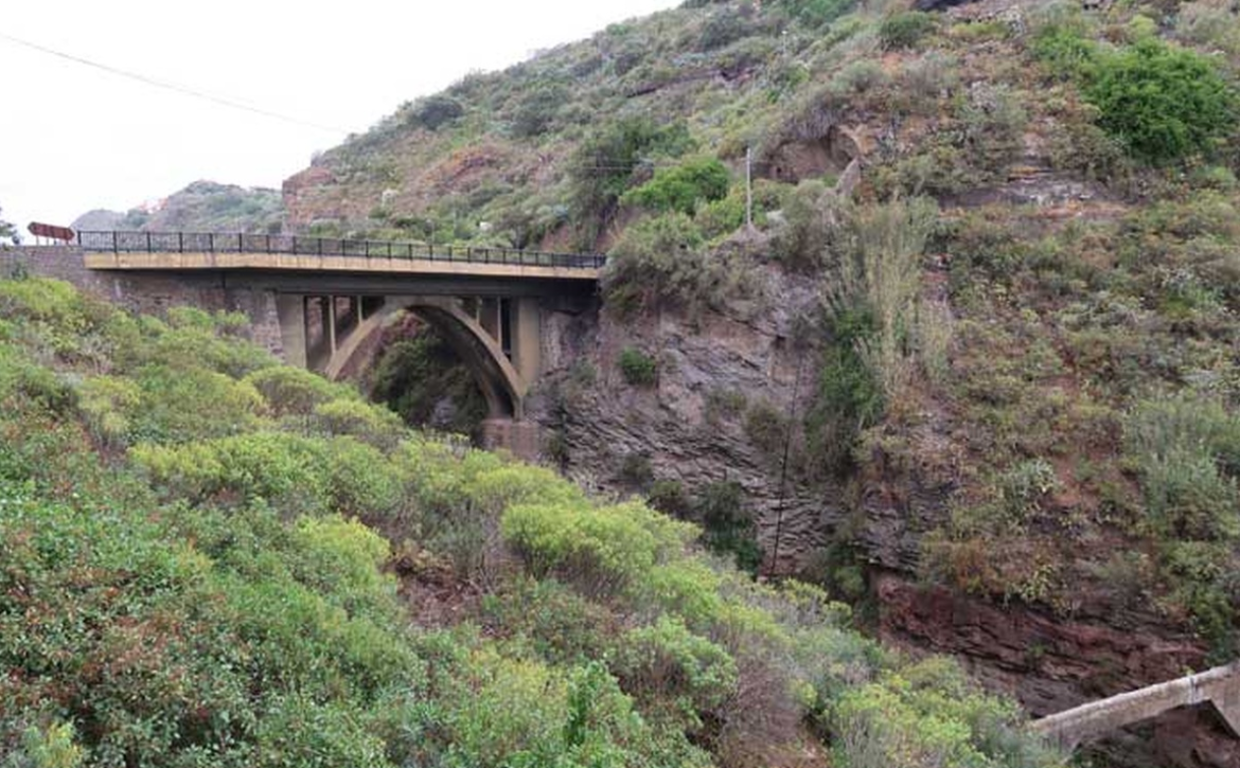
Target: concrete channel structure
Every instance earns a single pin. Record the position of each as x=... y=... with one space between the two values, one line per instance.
x=1219 y=686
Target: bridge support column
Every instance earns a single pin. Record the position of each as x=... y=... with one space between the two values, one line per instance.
x=526 y=338
x=291 y=313
x=331 y=325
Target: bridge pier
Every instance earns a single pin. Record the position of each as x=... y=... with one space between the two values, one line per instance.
x=522 y=439
x=291 y=315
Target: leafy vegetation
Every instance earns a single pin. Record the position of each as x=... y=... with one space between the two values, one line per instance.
x=421 y=378
x=228 y=598
x=1162 y=102
x=682 y=187
x=7 y=231
x=606 y=163
x=906 y=29
x=638 y=368
x=1033 y=384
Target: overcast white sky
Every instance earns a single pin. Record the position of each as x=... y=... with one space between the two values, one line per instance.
x=74 y=138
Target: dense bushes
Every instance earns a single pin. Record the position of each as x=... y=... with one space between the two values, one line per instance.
x=638 y=368
x=434 y=112
x=656 y=259
x=607 y=162
x=1162 y=102
x=421 y=378
x=816 y=13
x=213 y=598
x=682 y=187
x=906 y=29
x=1188 y=453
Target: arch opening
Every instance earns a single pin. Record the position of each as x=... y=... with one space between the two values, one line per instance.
x=458 y=328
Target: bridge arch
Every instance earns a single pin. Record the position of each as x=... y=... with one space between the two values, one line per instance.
x=502 y=386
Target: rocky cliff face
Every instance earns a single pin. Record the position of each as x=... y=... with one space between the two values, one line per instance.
x=691 y=426
x=675 y=430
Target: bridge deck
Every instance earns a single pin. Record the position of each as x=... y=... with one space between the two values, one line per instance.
x=177 y=251
x=339 y=264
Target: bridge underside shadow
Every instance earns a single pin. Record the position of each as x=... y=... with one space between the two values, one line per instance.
x=497 y=338
x=476 y=332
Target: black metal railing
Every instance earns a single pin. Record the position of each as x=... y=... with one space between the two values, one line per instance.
x=297 y=245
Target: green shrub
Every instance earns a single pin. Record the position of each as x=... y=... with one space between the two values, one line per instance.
x=605 y=550
x=858 y=77
x=670 y=498
x=433 y=112
x=847 y=400
x=728 y=526
x=538 y=108
x=1210 y=24
x=289 y=390
x=879 y=273
x=373 y=425
x=181 y=403
x=638 y=368
x=666 y=665
x=724 y=27
x=811 y=215
x=298 y=731
x=682 y=187
x=906 y=29
x=562 y=626
x=1187 y=450
x=930 y=714
x=267 y=465
x=658 y=259
x=1063 y=48
x=767 y=429
x=23 y=380
x=817 y=13
x=51 y=747
x=604 y=165
x=724 y=216
x=109 y=405
x=635 y=470
x=1161 y=101
x=994 y=121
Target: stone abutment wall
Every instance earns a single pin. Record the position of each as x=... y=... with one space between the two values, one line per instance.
x=152 y=292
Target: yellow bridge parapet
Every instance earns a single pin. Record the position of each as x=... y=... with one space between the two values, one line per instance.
x=174 y=261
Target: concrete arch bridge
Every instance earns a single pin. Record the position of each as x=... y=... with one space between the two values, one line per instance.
x=316 y=302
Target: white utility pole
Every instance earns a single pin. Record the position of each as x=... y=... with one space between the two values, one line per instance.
x=748 y=187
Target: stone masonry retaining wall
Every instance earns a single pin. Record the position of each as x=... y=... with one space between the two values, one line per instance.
x=151 y=292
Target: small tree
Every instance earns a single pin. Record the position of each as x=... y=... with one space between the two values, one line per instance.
x=8 y=231
x=683 y=187
x=1163 y=102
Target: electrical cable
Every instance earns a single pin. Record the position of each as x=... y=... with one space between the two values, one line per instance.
x=184 y=90
x=783 y=470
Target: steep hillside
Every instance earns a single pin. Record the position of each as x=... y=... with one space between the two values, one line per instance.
x=211 y=559
x=992 y=366
x=203 y=206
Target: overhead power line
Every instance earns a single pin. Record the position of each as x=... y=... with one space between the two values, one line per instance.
x=175 y=87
